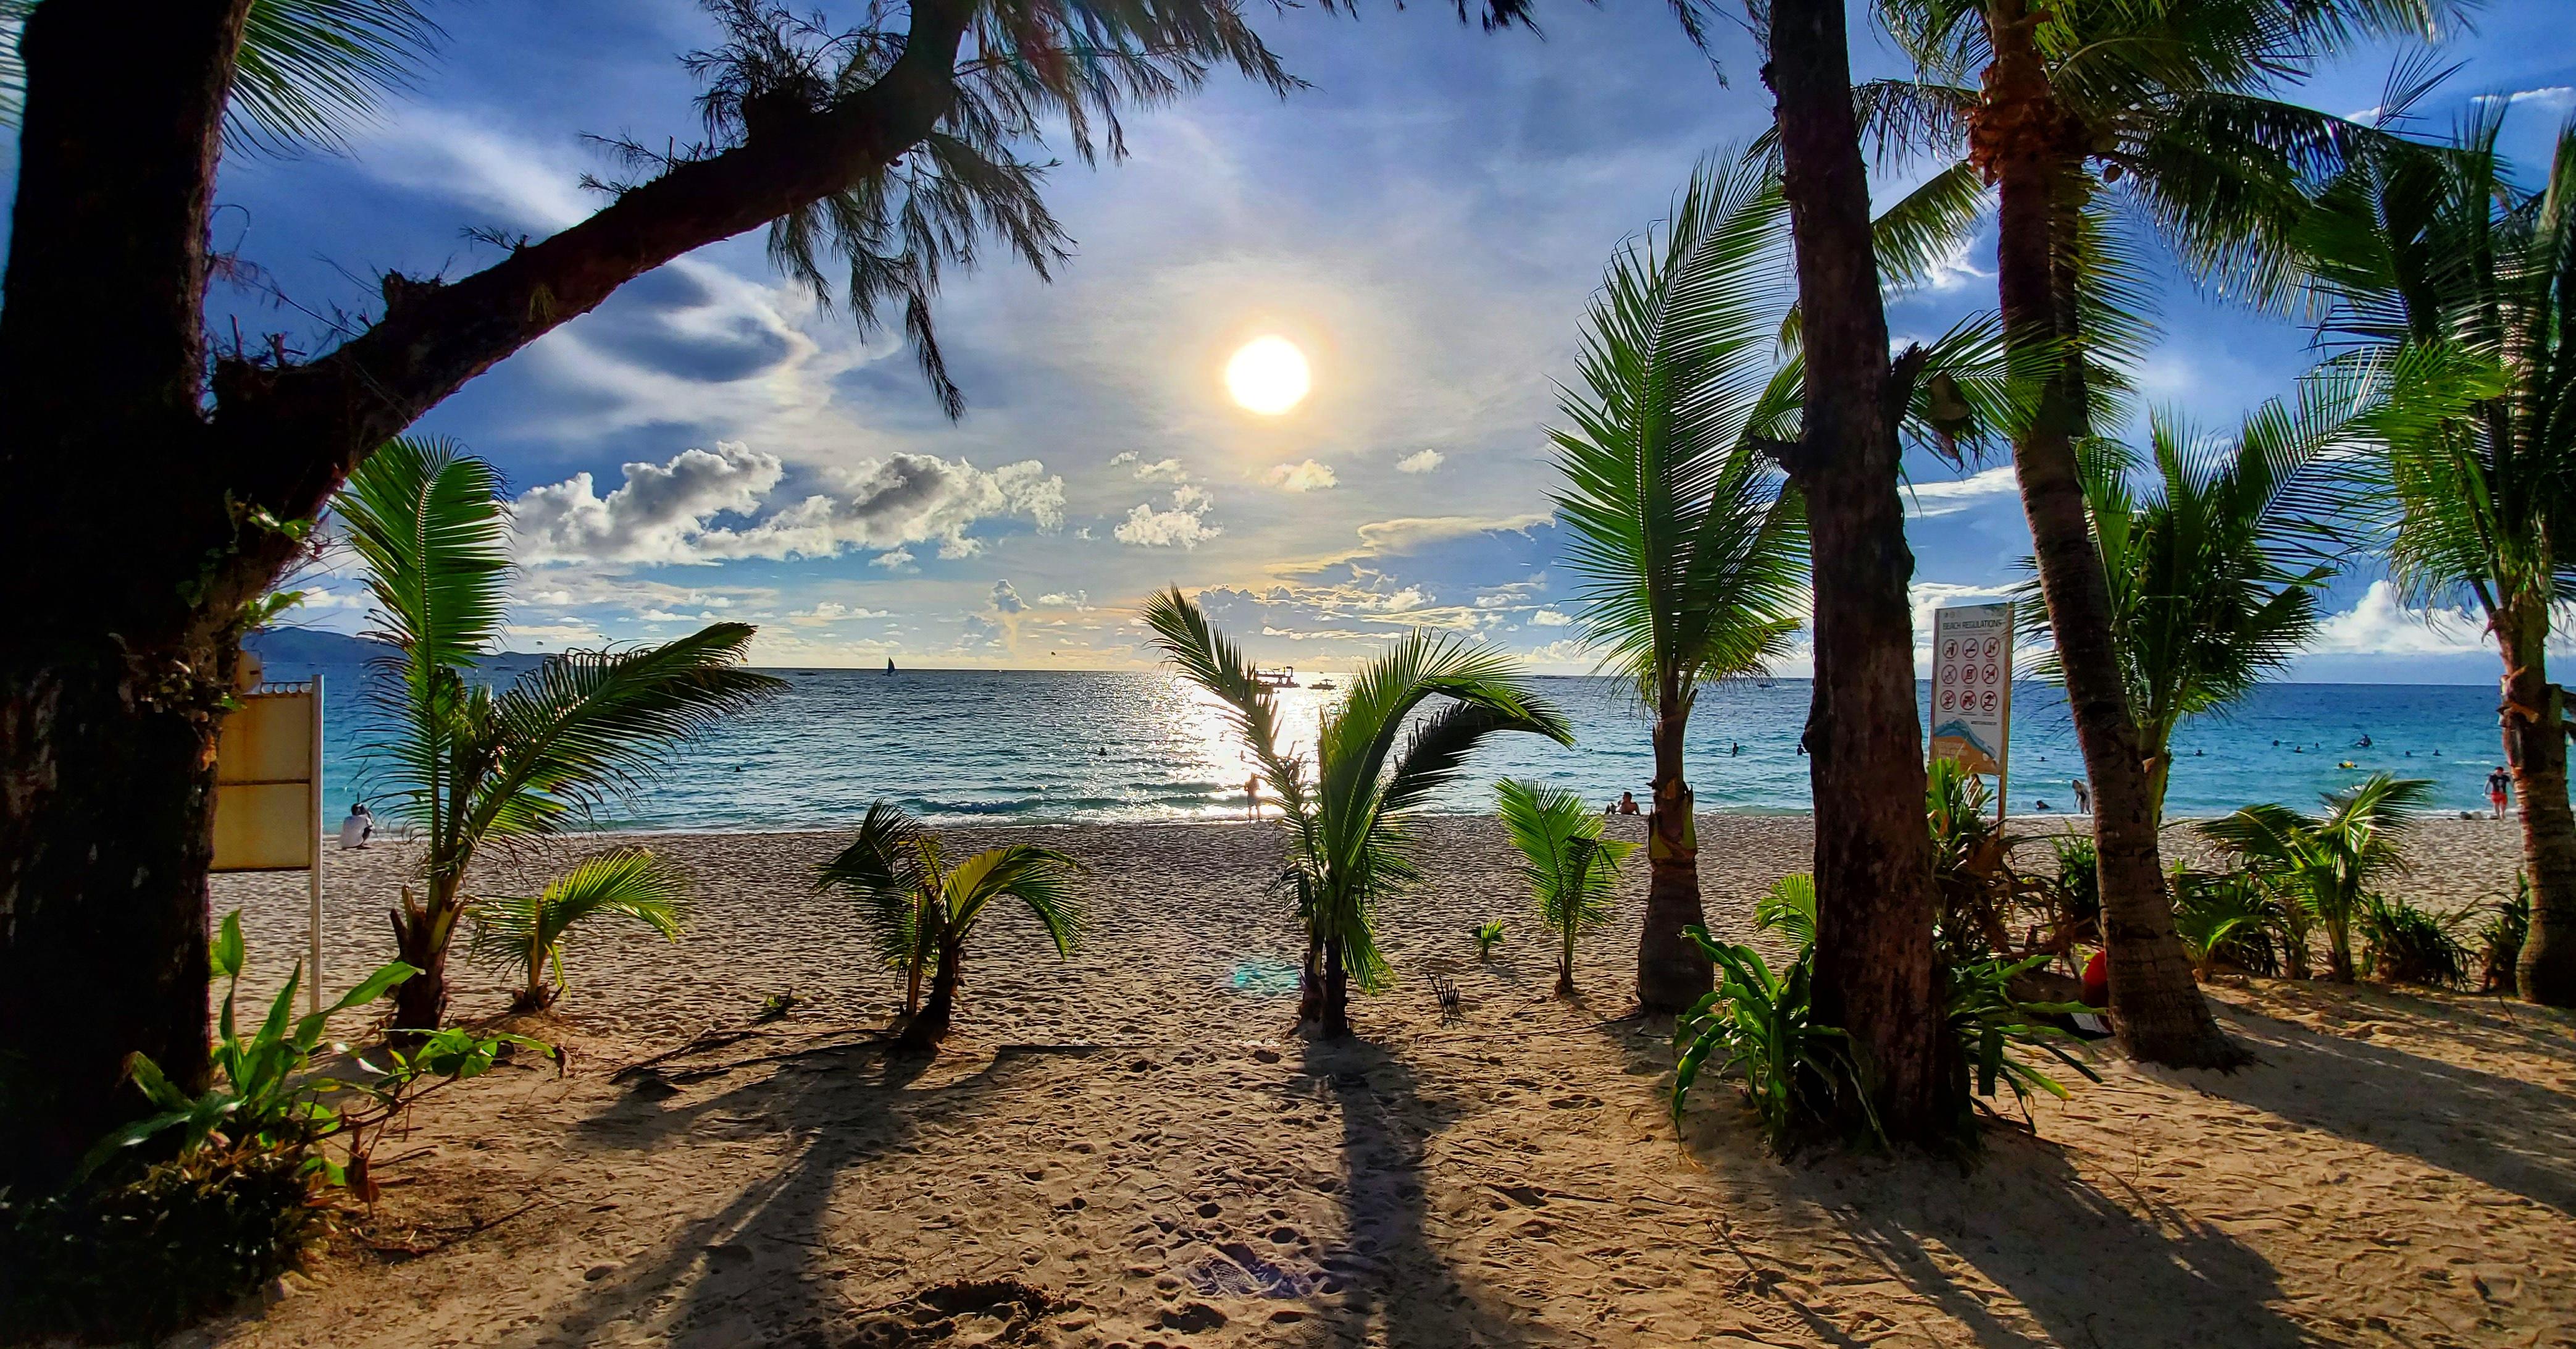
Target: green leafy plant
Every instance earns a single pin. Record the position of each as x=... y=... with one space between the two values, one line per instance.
x=1789 y=908
x=921 y=908
x=776 y=1007
x=265 y=1099
x=1971 y=873
x=2327 y=863
x=2226 y=917
x=461 y=763
x=2406 y=944
x=530 y=929
x=1411 y=717
x=1573 y=872
x=1487 y=937
x=1760 y=1028
x=2500 y=938
x=1998 y=1032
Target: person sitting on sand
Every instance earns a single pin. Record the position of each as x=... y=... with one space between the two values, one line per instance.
x=358 y=828
x=1627 y=803
x=2500 y=789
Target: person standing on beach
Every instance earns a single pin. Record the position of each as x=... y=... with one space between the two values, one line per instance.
x=1252 y=795
x=2083 y=797
x=2500 y=790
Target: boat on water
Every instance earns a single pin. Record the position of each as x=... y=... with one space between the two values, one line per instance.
x=1285 y=677
x=889 y=665
x=1323 y=684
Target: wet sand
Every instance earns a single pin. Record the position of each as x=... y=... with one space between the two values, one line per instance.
x=1130 y=1148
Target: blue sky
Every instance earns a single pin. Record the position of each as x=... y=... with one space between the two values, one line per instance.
x=1427 y=222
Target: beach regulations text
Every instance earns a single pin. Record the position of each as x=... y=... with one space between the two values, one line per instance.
x=1972 y=686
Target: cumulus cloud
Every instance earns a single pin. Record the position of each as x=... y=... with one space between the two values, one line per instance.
x=1549 y=618
x=669 y=512
x=2380 y=624
x=1077 y=600
x=896 y=559
x=1420 y=461
x=1927 y=499
x=1006 y=598
x=1184 y=526
x=1308 y=476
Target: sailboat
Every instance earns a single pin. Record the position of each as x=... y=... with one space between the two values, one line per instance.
x=889 y=665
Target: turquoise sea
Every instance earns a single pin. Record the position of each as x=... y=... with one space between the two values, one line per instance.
x=1040 y=746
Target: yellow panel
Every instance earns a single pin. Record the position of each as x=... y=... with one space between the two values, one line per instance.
x=269 y=738
x=267 y=827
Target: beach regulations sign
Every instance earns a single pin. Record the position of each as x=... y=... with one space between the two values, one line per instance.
x=1972 y=687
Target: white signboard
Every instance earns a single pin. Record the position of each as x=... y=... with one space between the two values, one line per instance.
x=1972 y=686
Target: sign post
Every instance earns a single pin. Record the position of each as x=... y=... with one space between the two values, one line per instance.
x=1972 y=690
x=268 y=798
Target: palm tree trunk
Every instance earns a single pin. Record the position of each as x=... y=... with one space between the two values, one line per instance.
x=929 y=1026
x=1332 y=1019
x=1671 y=972
x=110 y=691
x=1873 y=859
x=2034 y=150
x=2535 y=744
x=1565 y=966
x=421 y=941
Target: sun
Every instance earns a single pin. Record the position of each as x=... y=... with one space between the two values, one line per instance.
x=1268 y=375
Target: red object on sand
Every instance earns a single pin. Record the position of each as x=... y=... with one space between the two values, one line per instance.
x=2097 y=980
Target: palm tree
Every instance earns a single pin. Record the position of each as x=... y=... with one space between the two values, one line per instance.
x=1403 y=730
x=2327 y=863
x=308 y=70
x=530 y=929
x=1693 y=555
x=921 y=909
x=461 y=763
x=2172 y=105
x=2213 y=574
x=1572 y=871
x=2453 y=283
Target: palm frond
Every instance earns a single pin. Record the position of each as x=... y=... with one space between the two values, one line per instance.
x=1041 y=879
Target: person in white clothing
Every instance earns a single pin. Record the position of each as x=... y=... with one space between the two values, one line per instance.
x=358 y=828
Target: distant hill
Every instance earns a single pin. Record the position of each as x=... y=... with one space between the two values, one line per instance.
x=338 y=650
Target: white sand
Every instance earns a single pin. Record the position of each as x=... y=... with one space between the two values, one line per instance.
x=1153 y=1152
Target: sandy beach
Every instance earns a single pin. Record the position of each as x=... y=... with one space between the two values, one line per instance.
x=1130 y=1148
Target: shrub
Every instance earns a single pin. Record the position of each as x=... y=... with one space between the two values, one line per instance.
x=1487 y=936
x=2227 y=917
x=1995 y=1031
x=178 y=1240
x=1760 y=1027
x=2404 y=944
x=2500 y=938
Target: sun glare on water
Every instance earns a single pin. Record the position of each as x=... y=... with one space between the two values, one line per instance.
x=1268 y=375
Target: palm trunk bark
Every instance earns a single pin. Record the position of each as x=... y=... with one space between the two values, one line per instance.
x=929 y=1026
x=111 y=691
x=1565 y=966
x=421 y=939
x=2034 y=149
x=1671 y=972
x=2533 y=718
x=1873 y=858
x=1332 y=1018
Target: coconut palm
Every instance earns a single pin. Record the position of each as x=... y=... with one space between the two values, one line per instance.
x=530 y=929
x=461 y=762
x=1573 y=872
x=2173 y=106
x=2453 y=282
x=921 y=909
x=308 y=69
x=2327 y=863
x=2213 y=571
x=1403 y=730
x=1692 y=554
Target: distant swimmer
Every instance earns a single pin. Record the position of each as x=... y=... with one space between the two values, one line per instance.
x=2298 y=749
x=2345 y=764
x=2041 y=804
x=1734 y=748
x=2365 y=741
x=358 y=828
x=2500 y=790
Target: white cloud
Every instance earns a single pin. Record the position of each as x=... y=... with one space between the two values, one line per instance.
x=897 y=559
x=1078 y=600
x=549 y=634
x=1184 y=526
x=1420 y=461
x=1549 y=618
x=2380 y=624
x=1006 y=598
x=1302 y=477
x=666 y=513
x=1927 y=499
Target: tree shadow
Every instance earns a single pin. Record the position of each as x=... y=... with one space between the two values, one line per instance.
x=763 y=1268
x=2510 y=1134
x=1395 y=1287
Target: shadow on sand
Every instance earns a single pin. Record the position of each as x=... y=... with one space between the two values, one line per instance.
x=2513 y=1135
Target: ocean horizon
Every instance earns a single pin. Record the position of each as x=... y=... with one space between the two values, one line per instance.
x=1040 y=746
